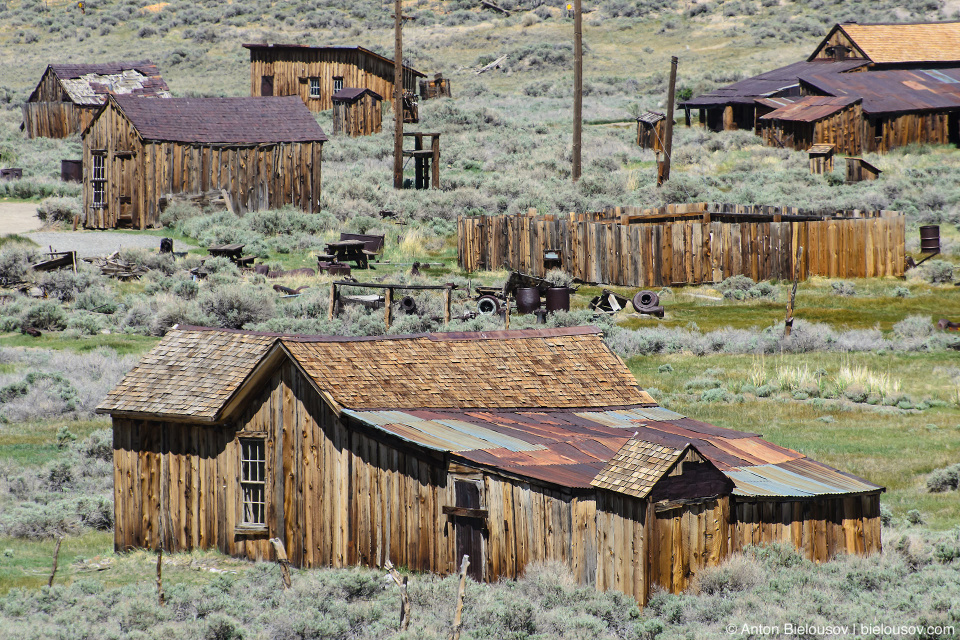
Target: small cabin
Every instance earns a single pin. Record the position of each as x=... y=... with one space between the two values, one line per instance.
x=357 y=112
x=512 y=447
x=69 y=95
x=439 y=87
x=650 y=131
x=317 y=73
x=815 y=120
x=259 y=153
x=821 y=158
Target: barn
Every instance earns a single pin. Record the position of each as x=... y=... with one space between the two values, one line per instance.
x=905 y=75
x=68 y=96
x=510 y=446
x=316 y=73
x=260 y=153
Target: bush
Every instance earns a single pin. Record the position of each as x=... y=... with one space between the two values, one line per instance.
x=47 y=315
x=58 y=209
x=844 y=288
x=937 y=271
x=15 y=260
x=733 y=284
x=901 y=292
x=665 y=368
x=233 y=306
x=913 y=327
x=946 y=479
x=914 y=517
x=716 y=395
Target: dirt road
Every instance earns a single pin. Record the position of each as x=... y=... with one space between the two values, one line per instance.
x=18 y=217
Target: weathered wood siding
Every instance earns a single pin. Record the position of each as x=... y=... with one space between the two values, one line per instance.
x=889 y=131
x=339 y=495
x=838 y=37
x=843 y=129
x=361 y=117
x=51 y=114
x=645 y=254
x=292 y=68
x=139 y=173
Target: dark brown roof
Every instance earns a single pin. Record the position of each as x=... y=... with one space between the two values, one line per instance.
x=770 y=83
x=222 y=120
x=67 y=71
x=811 y=108
x=337 y=48
x=352 y=93
x=895 y=91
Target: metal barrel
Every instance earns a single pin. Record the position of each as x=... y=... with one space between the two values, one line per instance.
x=528 y=299
x=930 y=239
x=558 y=299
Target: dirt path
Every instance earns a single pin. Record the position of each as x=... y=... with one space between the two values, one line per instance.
x=18 y=217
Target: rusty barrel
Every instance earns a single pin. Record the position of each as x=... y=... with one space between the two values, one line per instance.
x=930 y=239
x=528 y=299
x=558 y=299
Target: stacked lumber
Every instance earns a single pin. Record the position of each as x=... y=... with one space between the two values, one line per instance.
x=116 y=267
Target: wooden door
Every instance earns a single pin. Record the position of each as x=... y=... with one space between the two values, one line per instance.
x=266 y=85
x=470 y=529
x=127 y=214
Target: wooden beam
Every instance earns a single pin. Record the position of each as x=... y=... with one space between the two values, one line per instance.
x=577 y=87
x=464 y=512
x=664 y=173
x=398 y=95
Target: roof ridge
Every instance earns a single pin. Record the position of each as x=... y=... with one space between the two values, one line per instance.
x=509 y=334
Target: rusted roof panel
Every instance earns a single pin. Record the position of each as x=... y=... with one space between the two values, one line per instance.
x=799 y=478
x=775 y=103
x=222 y=120
x=811 y=108
x=900 y=43
x=770 y=83
x=894 y=91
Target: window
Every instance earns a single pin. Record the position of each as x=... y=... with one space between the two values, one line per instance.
x=99 y=182
x=337 y=84
x=253 y=486
x=314 y=87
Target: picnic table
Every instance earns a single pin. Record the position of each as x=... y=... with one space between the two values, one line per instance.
x=232 y=251
x=348 y=251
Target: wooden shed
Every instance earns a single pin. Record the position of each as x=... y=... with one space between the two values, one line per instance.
x=316 y=73
x=859 y=169
x=812 y=120
x=262 y=153
x=357 y=112
x=509 y=446
x=821 y=158
x=69 y=95
x=439 y=87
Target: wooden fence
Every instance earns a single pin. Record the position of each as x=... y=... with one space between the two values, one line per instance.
x=687 y=244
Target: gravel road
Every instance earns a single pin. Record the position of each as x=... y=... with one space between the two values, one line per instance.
x=96 y=243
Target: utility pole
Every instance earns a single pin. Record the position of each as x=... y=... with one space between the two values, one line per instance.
x=664 y=170
x=398 y=95
x=577 y=87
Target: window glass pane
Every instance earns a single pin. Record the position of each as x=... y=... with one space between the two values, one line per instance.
x=252 y=483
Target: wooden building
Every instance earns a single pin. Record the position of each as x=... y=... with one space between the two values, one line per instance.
x=691 y=243
x=812 y=120
x=357 y=112
x=69 y=95
x=439 y=87
x=316 y=73
x=510 y=446
x=650 y=127
x=821 y=158
x=261 y=153
x=859 y=169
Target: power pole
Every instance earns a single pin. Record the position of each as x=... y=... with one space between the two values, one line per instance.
x=577 y=87
x=398 y=95
x=664 y=173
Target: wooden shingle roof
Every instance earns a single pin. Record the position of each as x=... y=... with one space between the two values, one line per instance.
x=89 y=84
x=636 y=467
x=189 y=375
x=222 y=120
x=900 y=43
x=557 y=368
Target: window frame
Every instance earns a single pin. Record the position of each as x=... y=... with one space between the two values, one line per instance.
x=98 y=179
x=337 y=83
x=313 y=83
x=256 y=483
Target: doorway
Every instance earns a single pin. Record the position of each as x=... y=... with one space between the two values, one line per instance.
x=469 y=529
x=266 y=85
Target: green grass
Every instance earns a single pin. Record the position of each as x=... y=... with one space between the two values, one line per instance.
x=122 y=343
x=34 y=444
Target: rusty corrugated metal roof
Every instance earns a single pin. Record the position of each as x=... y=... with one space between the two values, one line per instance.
x=775 y=103
x=770 y=83
x=811 y=108
x=798 y=478
x=895 y=90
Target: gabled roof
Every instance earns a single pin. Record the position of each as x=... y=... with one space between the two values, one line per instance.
x=553 y=405
x=894 y=90
x=89 y=84
x=240 y=121
x=353 y=93
x=889 y=43
x=769 y=83
x=255 y=47
x=811 y=108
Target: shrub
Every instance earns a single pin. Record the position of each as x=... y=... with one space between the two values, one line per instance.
x=914 y=517
x=844 y=288
x=946 y=479
x=58 y=209
x=734 y=284
x=738 y=573
x=15 y=260
x=716 y=395
x=47 y=315
x=233 y=306
x=665 y=368
x=937 y=271
x=913 y=327
x=901 y=292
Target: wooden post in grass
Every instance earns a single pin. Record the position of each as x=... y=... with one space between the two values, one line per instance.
x=333 y=301
x=663 y=174
x=56 y=557
x=788 y=323
x=577 y=88
x=398 y=94
x=387 y=306
x=458 y=616
x=404 y=598
x=282 y=560
x=160 y=597
x=446 y=306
